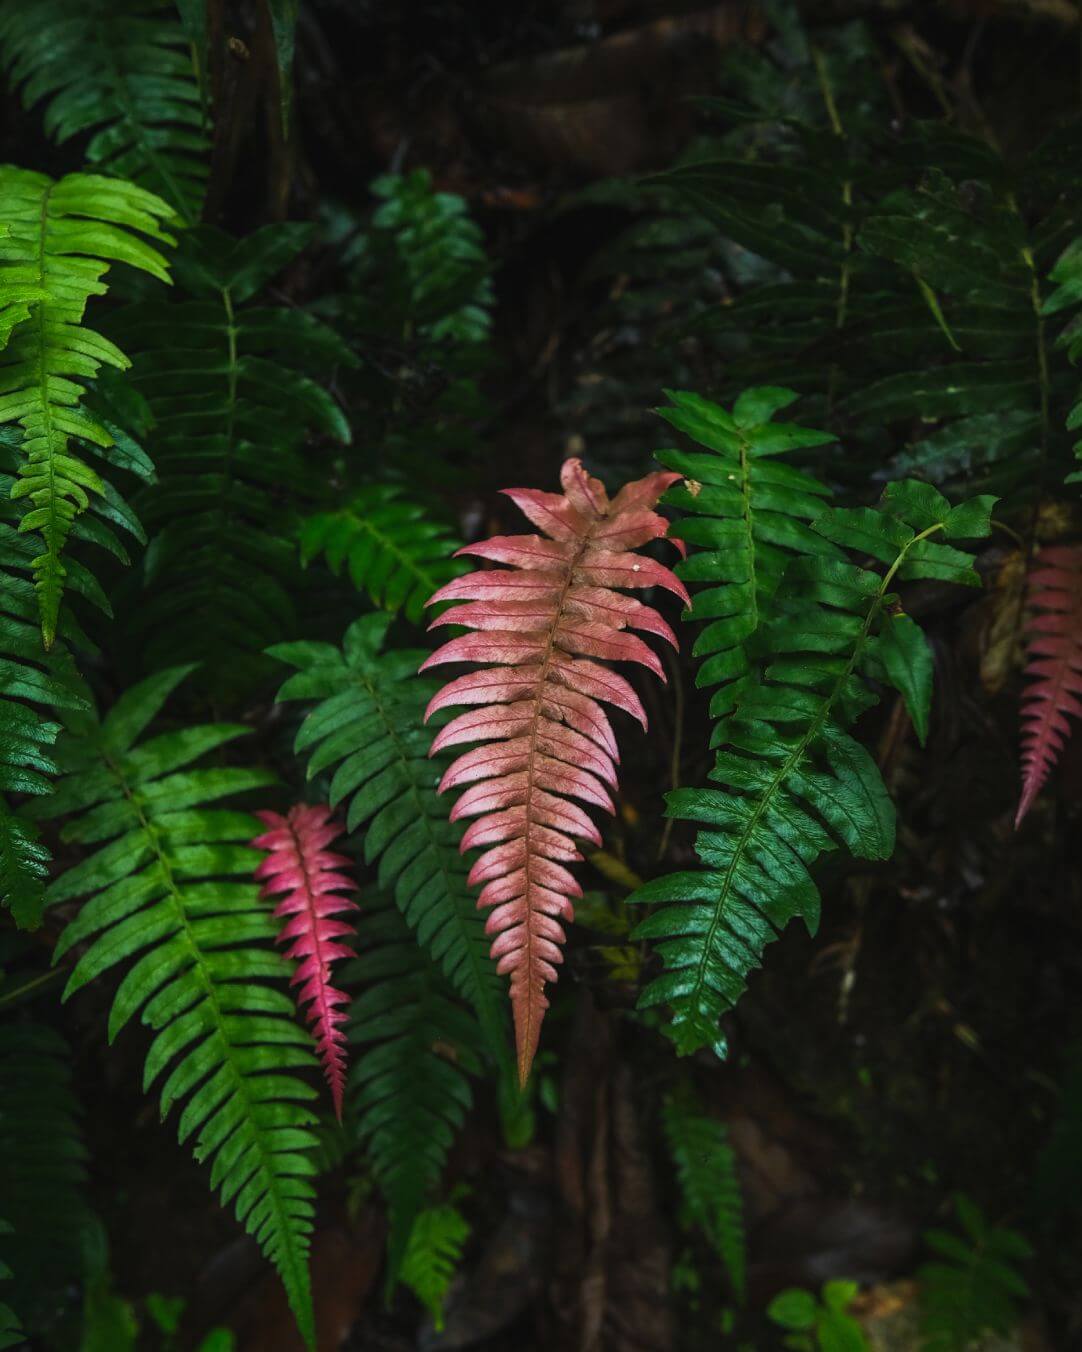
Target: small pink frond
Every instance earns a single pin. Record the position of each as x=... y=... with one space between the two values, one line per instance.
x=300 y=868
x=1054 y=649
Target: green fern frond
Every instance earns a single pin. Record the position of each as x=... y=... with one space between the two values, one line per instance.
x=33 y=685
x=706 y=1172
x=390 y=547
x=368 y=728
x=1067 y=295
x=408 y=1084
x=974 y=1286
x=750 y=514
x=42 y=1165
x=168 y=882
x=121 y=70
x=792 y=782
x=61 y=240
x=227 y=384
x=433 y=1256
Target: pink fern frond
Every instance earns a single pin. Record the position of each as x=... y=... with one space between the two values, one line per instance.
x=1054 y=650
x=301 y=870
x=546 y=627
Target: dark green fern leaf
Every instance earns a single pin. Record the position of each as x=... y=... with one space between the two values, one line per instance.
x=408 y=1084
x=121 y=70
x=42 y=1166
x=1067 y=296
x=792 y=782
x=367 y=728
x=61 y=239
x=973 y=1287
x=227 y=384
x=168 y=882
x=706 y=1172
x=390 y=547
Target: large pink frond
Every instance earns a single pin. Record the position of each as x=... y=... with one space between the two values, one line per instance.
x=545 y=626
x=300 y=868
x=1054 y=649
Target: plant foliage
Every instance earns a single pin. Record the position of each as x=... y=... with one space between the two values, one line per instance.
x=433 y=1256
x=168 y=884
x=299 y=864
x=549 y=624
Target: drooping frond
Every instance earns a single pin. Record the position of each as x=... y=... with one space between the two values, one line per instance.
x=368 y=729
x=1054 y=648
x=299 y=864
x=750 y=519
x=433 y=1256
x=706 y=1172
x=227 y=384
x=60 y=240
x=389 y=545
x=121 y=70
x=415 y=1047
x=33 y=684
x=790 y=779
x=42 y=1166
x=973 y=1286
x=1067 y=296
x=168 y=884
x=549 y=624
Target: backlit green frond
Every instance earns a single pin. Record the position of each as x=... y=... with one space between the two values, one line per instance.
x=791 y=781
x=61 y=239
x=121 y=70
x=367 y=728
x=227 y=383
x=706 y=1172
x=390 y=547
x=414 y=1046
x=168 y=883
x=433 y=1256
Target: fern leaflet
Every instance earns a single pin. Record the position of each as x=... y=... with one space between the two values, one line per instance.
x=433 y=1255
x=170 y=886
x=62 y=238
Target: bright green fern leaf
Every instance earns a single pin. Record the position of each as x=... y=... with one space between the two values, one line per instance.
x=168 y=881
x=120 y=69
x=368 y=728
x=973 y=1287
x=62 y=238
x=433 y=1256
x=791 y=780
x=706 y=1172
x=413 y=1046
x=390 y=547
x=227 y=383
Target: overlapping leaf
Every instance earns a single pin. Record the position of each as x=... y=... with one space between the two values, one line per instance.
x=299 y=864
x=548 y=624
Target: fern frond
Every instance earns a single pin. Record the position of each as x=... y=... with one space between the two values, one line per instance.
x=706 y=1172
x=414 y=1049
x=61 y=240
x=168 y=882
x=299 y=864
x=33 y=685
x=750 y=519
x=1066 y=296
x=368 y=728
x=974 y=1287
x=226 y=383
x=546 y=622
x=389 y=545
x=792 y=782
x=433 y=1255
x=1054 y=666
x=121 y=70
x=42 y=1164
